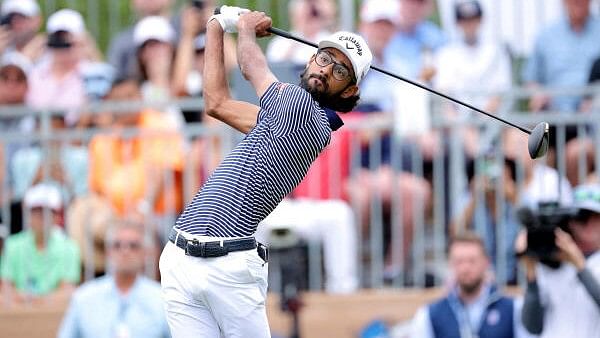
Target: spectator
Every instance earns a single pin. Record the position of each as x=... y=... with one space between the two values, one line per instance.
x=56 y=83
x=489 y=180
x=14 y=71
x=473 y=307
x=154 y=40
x=309 y=19
x=562 y=57
x=562 y=298
x=514 y=22
x=473 y=69
x=472 y=63
x=21 y=21
x=121 y=55
x=139 y=173
x=189 y=61
x=409 y=50
x=330 y=222
x=40 y=263
x=378 y=25
x=55 y=160
x=123 y=303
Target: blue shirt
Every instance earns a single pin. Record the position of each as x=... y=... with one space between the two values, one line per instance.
x=563 y=58
x=291 y=130
x=404 y=53
x=99 y=310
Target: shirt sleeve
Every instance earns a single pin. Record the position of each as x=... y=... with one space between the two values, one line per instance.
x=420 y=326
x=591 y=285
x=532 y=313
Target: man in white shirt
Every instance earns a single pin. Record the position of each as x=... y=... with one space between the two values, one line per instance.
x=563 y=296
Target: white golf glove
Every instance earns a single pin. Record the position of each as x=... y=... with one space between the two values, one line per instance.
x=228 y=17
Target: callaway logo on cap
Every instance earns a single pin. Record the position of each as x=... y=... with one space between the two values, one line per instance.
x=354 y=47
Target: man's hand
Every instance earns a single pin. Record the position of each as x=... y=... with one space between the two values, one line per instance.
x=569 y=251
x=228 y=17
x=257 y=22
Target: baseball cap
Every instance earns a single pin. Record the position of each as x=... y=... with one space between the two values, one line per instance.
x=17 y=60
x=43 y=195
x=587 y=197
x=354 y=47
x=66 y=20
x=27 y=8
x=376 y=10
x=466 y=10
x=153 y=28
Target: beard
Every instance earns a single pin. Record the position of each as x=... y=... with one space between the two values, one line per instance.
x=316 y=92
x=320 y=93
x=325 y=99
x=472 y=287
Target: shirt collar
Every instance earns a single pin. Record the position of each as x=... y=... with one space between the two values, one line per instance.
x=335 y=121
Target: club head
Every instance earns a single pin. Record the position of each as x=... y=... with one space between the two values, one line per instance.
x=538 y=140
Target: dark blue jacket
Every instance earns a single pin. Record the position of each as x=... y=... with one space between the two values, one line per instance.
x=448 y=317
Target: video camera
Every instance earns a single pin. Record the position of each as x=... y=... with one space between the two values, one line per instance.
x=541 y=224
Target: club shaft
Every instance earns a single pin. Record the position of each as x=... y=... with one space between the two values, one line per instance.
x=287 y=35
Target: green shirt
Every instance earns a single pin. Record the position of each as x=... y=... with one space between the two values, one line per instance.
x=40 y=272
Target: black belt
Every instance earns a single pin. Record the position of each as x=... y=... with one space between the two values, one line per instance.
x=195 y=248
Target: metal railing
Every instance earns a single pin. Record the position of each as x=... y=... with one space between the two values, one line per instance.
x=403 y=239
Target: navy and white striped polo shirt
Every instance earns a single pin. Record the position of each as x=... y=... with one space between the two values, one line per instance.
x=291 y=130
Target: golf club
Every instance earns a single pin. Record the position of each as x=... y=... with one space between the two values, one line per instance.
x=538 y=137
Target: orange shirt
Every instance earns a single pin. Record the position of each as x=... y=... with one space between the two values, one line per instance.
x=126 y=170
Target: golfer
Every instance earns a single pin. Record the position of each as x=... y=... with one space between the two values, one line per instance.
x=214 y=273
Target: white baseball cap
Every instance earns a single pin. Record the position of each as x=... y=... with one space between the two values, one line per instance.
x=354 y=47
x=587 y=197
x=18 y=60
x=375 y=10
x=43 y=195
x=153 y=28
x=27 y=8
x=66 y=20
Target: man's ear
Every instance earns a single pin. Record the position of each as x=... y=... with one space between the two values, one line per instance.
x=349 y=91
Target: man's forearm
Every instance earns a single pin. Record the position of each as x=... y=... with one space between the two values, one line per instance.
x=251 y=59
x=215 y=81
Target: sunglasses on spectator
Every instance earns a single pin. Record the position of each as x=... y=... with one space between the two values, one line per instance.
x=131 y=245
x=340 y=71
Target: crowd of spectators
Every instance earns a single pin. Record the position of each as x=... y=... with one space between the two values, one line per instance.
x=136 y=164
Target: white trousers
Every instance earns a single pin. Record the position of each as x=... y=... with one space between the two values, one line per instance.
x=214 y=297
x=330 y=222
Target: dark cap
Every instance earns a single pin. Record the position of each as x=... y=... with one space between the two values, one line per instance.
x=466 y=10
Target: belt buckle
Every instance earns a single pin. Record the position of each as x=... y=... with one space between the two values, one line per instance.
x=195 y=242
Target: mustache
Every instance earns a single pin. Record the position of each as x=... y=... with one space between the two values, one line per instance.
x=321 y=78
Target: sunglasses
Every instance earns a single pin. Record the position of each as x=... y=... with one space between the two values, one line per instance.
x=340 y=71
x=122 y=245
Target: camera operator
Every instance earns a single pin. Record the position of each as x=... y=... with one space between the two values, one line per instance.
x=562 y=298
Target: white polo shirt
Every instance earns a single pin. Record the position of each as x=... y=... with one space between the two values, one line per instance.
x=570 y=311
